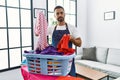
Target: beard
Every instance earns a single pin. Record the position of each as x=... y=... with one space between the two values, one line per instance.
x=60 y=19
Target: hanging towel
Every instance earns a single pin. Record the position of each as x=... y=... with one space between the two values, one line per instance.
x=41 y=31
x=63 y=45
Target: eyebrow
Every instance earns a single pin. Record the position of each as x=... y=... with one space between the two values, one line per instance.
x=59 y=12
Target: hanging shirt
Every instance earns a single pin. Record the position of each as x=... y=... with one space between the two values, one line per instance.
x=41 y=31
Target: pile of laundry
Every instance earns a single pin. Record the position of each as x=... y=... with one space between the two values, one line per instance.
x=50 y=50
x=62 y=48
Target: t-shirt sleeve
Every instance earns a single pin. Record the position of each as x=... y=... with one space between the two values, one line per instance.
x=74 y=31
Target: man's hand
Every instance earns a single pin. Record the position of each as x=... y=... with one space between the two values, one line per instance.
x=36 y=35
x=76 y=41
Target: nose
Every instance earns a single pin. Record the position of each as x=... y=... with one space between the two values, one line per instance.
x=60 y=15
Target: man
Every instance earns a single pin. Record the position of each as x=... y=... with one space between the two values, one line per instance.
x=63 y=28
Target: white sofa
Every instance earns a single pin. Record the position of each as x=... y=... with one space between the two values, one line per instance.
x=106 y=60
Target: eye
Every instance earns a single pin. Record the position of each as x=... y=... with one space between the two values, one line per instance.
x=57 y=13
x=61 y=12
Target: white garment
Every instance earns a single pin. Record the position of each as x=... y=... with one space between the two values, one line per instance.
x=72 y=29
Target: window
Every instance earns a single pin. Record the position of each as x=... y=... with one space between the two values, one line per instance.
x=70 y=11
x=15 y=31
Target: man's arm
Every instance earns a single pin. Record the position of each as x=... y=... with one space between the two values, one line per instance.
x=76 y=41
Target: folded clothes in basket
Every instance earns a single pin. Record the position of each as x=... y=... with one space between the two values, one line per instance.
x=50 y=50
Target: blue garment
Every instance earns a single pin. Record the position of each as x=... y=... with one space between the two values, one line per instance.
x=24 y=62
x=56 y=37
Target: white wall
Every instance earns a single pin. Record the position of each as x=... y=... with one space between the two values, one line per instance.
x=39 y=4
x=82 y=22
x=103 y=33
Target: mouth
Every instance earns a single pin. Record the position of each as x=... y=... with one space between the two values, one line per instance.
x=60 y=19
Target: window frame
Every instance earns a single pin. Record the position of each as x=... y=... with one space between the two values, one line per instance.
x=20 y=28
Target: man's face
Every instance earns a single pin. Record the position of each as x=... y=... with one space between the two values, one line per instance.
x=59 y=14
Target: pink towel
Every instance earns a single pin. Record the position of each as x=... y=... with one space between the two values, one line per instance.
x=28 y=76
x=41 y=31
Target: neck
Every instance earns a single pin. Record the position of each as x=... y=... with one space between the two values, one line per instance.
x=61 y=23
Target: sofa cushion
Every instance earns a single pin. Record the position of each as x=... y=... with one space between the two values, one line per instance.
x=113 y=56
x=112 y=70
x=101 y=54
x=89 y=53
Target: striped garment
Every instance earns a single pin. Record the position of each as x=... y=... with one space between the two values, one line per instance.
x=41 y=31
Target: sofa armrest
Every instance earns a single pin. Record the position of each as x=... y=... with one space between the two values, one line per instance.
x=78 y=57
x=117 y=78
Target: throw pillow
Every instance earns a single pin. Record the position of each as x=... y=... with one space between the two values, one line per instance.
x=89 y=53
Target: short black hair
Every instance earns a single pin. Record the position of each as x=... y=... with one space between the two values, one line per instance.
x=57 y=7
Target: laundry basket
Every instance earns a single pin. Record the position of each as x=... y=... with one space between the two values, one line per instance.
x=49 y=64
